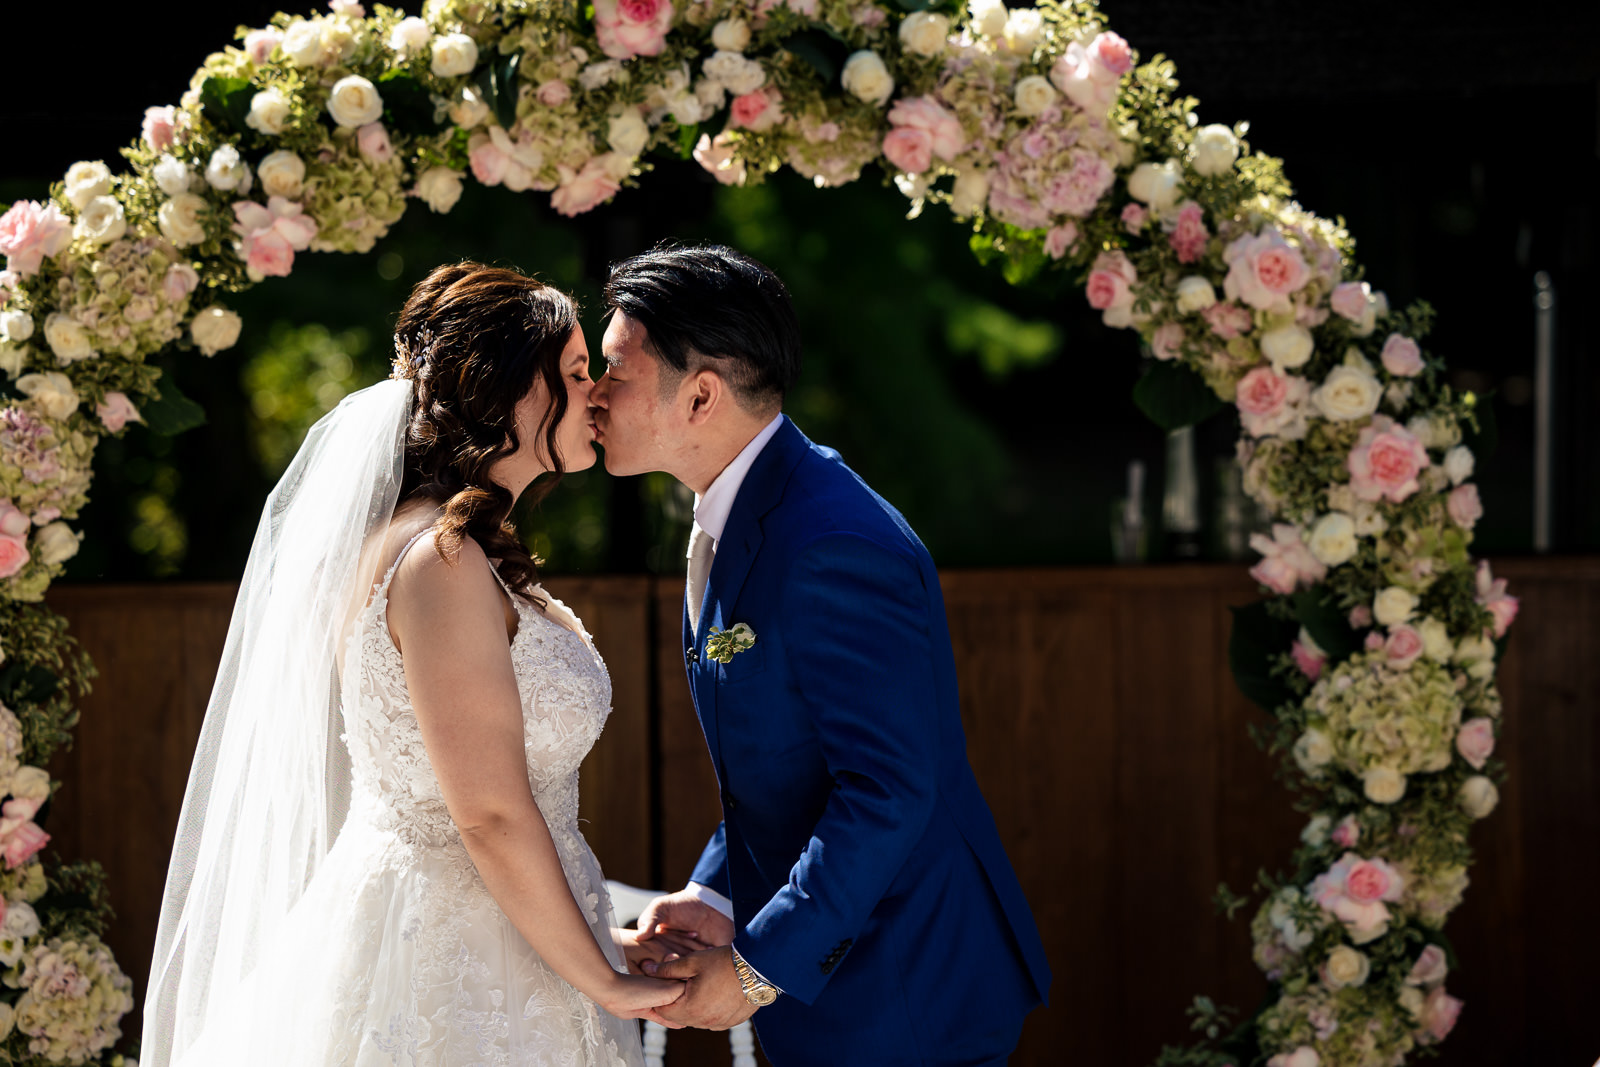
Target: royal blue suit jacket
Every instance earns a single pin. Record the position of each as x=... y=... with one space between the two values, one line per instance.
x=867 y=877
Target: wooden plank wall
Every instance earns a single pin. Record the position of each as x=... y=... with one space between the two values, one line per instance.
x=1106 y=733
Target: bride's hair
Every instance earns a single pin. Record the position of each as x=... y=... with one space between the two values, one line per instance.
x=474 y=339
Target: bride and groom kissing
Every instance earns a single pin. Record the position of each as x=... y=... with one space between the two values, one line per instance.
x=855 y=902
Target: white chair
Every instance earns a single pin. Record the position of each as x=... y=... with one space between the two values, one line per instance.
x=629 y=903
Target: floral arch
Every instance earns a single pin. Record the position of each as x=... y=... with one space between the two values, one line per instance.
x=1374 y=651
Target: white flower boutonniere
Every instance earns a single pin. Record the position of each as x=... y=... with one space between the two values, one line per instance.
x=723 y=645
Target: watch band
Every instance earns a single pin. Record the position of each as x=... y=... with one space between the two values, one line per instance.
x=756 y=991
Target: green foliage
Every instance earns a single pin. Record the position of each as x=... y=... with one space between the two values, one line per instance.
x=44 y=673
x=299 y=375
x=1173 y=396
x=1254 y=642
x=170 y=412
x=225 y=102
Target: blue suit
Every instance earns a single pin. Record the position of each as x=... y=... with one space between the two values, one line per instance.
x=867 y=877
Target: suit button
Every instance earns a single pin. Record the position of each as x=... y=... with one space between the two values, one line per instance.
x=730 y=802
x=692 y=653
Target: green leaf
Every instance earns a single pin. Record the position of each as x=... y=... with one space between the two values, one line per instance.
x=983 y=248
x=1326 y=622
x=822 y=51
x=22 y=683
x=1173 y=396
x=171 y=412
x=687 y=137
x=226 y=102
x=1255 y=640
x=498 y=81
x=408 y=106
x=1024 y=266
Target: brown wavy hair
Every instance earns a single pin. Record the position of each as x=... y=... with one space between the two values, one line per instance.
x=474 y=339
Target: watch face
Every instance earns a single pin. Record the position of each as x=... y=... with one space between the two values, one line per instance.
x=762 y=995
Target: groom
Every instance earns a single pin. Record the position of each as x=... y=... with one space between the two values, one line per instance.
x=856 y=892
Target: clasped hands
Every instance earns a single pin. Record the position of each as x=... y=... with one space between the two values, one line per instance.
x=682 y=937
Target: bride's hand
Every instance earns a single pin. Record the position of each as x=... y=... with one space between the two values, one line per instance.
x=634 y=996
x=668 y=945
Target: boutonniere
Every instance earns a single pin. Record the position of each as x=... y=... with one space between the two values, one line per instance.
x=723 y=645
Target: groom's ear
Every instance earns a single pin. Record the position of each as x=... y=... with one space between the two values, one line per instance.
x=706 y=393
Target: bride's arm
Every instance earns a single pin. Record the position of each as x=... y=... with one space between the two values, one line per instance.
x=449 y=623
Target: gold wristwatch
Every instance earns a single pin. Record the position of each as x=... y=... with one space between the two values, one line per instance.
x=755 y=990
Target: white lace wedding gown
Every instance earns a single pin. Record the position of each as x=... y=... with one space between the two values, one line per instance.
x=398 y=955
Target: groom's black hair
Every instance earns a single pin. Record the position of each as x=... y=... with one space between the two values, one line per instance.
x=709 y=305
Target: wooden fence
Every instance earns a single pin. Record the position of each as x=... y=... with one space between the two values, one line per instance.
x=1106 y=733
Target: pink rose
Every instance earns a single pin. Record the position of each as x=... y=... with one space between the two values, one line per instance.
x=753 y=111
x=1370 y=880
x=271 y=235
x=1086 y=78
x=1350 y=300
x=259 y=44
x=909 y=149
x=116 y=411
x=1360 y=617
x=585 y=189
x=1227 y=320
x=23 y=842
x=1060 y=239
x=1492 y=595
x=270 y=256
x=1271 y=403
x=1112 y=52
x=716 y=155
x=1464 y=506
x=628 y=28
x=373 y=140
x=1286 y=561
x=1373 y=642
x=1110 y=282
x=1403 y=647
x=554 y=93
x=13 y=555
x=1347 y=833
x=1360 y=906
x=489 y=164
x=1189 y=234
x=13 y=520
x=1263 y=270
x=1401 y=356
x=1134 y=216
x=1475 y=741
x=181 y=280
x=1439 y=1014
x=1430 y=969
x=1386 y=461
x=946 y=138
x=1167 y=342
x=1308 y=659
x=30 y=232
x=159 y=125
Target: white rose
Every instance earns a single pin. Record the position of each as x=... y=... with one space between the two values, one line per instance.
x=1313 y=751
x=1478 y=796
x=730 y=35
x=866 y=78
x=989 y=17
x=214 y=329
x=179 y=219
x=1436 y=643
x=1214 y=150
x=33 y=783
x=1156 y=184
x=1413 y=1000
x=282 y=174
x=1393 y=606
x=302 y=43
x=355 y=102
x=1477 y=655
x=685 y=108
x=1347 y=967
x=1458 y=464
x=970 y=193
x=454 y=54
x=67 y=339
x=269 y=112
x=55 y=543
x=1347 y=393
x=16 y=325
x=1369 y=520
x=1195 y=294
x=409 y=36
x=172 y=175
x=1437 y=431
x=628 y=133
x=468 y=108
x=1333 y=539
x=735 y=73
x=924 y=33
x=227 y=172
x=52 y=391
x=1383 y=785
x=1287 y=346
x=712 y=94
x=1023 y=27
x=439 y=188
x=102 y=221
x=1315 y=833
x=1034 y=93
x=85 y=181
x=12 y=357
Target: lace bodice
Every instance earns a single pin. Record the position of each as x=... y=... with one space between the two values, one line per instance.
x=566 y=698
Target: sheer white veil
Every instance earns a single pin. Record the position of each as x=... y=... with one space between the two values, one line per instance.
x=269 y=787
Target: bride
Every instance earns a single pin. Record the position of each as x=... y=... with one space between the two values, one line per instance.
x=378 y=860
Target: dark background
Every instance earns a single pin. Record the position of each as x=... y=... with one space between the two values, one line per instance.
x=1460 y=148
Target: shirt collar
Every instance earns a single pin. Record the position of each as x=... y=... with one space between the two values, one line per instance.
x=711 y=509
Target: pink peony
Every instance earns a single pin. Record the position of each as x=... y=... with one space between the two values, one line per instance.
x=1401 y=356
x=1286 y=561
x=1350 y=300
x=30 y=232
x=1347 y=832
x=1263 y=270
x=1189 y=234
x=1492 y=595
x=1386 y=461
x=1464 y=506
x=1227 y=320
x=1475 y=741
x=1308 y=658
x=1403 y=646
x=1167 y=342
x=1134 y=216
x=373 y=140
x=116 y=411
x=554 y=93
x=628 y=28
x=259 y=44
x=1060 y=239
x=22 y=842
x=946 y=138
x=586 y=189
x=1439 y=1014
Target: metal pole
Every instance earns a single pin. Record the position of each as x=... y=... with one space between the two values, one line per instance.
x=1544 y=338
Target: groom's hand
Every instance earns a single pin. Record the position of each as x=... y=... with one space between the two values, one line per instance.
x=685 y=918
x=714 y=999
